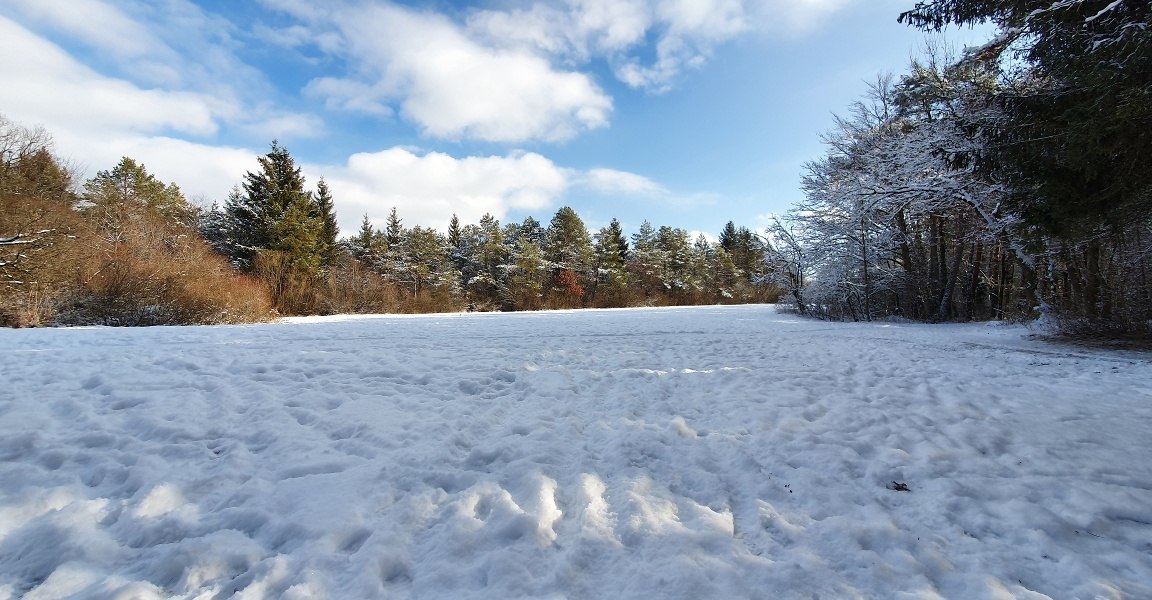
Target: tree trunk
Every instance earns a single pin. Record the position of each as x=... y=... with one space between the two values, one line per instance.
x=945 y=305
x=973 y=281
x=1092 y=279
x=906 y=260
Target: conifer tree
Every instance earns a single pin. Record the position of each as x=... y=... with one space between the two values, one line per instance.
x=273 y=212
x=621 y=242
x=644 y=259
x=393 y=230
x=365 y=245
x=454 y=232
x=329 y=230
x=130 y=187
x=610 y=283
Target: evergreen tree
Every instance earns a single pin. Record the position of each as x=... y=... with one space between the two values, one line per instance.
x=610 y=284
x=129 y=185
x=675 y=257
x=274 y=213
x=531 y=230
x=621 y=242
x=454 y=232
x=366 y=245
x=393 y=230
x=568 y=248
x=329 y=230
x=484 y=258
x=427 y=264
x=527 y=276
x=728 y=236
x=1075 y=142
x=643 y=263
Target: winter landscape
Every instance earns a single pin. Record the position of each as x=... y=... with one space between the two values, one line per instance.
x=708 y=452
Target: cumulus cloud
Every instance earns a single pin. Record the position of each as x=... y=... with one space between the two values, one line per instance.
x=427 y=188
x=96 y=119
x=48 y=83
x=451 y=86
x=98 y=25
x=519 y=73
x=611 y=181
x=683 y=33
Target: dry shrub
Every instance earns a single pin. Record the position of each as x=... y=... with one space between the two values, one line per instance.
x=294 y=291
x=40 y=260
x=352 y=289
x=149 y=272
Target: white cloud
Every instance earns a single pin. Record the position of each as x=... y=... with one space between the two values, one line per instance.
x=203 y=172
x=795 y=17
x=453 y=87
x=48 y=85
x=270 y=123
x=684 y=33
x=96 y=24
x=611 y=181
x=516 y=74
x=428 y=188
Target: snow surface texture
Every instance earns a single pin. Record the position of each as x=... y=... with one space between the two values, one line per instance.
x=657 y=453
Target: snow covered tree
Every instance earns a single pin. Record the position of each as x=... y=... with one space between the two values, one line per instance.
x=527 y=276
x=674 y=255
x=1078 y=131
x=568 y=247
x=483 y=262
x=610 y=285
x=368 y=244
x=644 y=261
x=427 y=263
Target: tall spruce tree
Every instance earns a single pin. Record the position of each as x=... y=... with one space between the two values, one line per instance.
x=329 y=229
x=272 y=212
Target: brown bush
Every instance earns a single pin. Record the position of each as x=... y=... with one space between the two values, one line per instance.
x=160 y=274
x=350 y=288
x=38 y=262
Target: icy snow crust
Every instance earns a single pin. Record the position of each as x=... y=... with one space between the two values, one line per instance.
x=657 y=453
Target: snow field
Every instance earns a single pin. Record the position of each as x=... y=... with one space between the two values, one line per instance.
x=717 y=452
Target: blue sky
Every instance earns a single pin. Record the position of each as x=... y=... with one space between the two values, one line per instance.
x=687 y=113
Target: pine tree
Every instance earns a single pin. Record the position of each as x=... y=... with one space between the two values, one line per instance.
x=393 y=230
x=610 y=284
x=365 y=245
x=527 y=276
x=130 y=185
x=329 y=230
x=621 y=242
x=675 y=254
x=643 y=263
x=569 y=248
x=274 y=213
x=454 y=232
x=728 y=236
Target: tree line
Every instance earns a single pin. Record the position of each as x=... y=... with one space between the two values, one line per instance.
x=124 y=248
x=273 y=227
x=1011 y=182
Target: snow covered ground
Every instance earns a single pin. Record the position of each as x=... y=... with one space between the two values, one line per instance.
x=717 y=452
